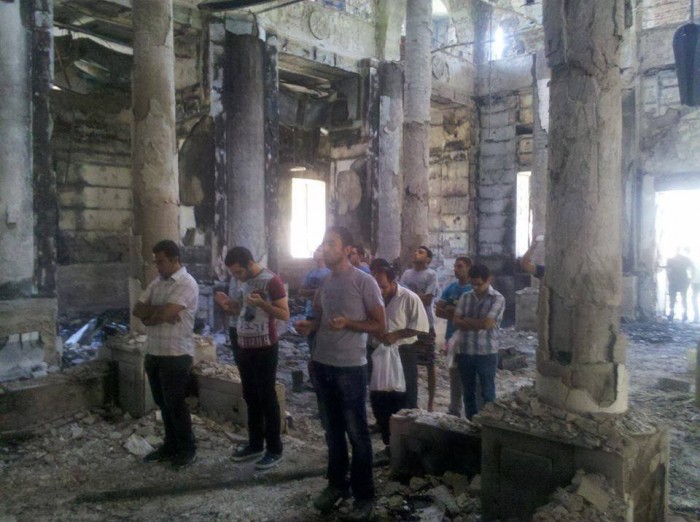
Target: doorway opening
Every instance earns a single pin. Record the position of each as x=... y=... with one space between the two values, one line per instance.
x=523 y=215
x=677 y=215
x=308 y=216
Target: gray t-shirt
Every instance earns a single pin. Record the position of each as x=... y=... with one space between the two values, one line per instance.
x=423 y=282
x=351 y=294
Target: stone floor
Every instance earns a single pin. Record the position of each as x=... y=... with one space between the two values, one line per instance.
x=83 y=467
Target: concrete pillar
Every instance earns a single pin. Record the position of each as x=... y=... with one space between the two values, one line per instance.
x=416 y=137
x=245 y=143
x=581 y=355
x=389 y=160
x=388 y=22
x=272 y=147
x=154 y=146
x=538 y=180
x=16 y=192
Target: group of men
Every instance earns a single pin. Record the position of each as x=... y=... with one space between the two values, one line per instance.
x=350 y=311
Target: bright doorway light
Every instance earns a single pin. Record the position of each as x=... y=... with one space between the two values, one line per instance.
x=498 y=43
x=677 y=216
x=439 y=8
x=523 y=216
x=308 y=216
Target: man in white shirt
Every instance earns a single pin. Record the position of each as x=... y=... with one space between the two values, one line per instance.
x=167 y=307
x=405 y=319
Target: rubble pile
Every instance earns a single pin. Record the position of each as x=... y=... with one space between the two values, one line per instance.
x=587 y=499
x=440 y=420
x=524 y=411
x=225 y=372
x=451 y=497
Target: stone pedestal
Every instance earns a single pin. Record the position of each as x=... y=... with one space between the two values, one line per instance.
x=221 y=393
x=433 y=443
x=530 y=449
x=35 y=402
x=526 y=309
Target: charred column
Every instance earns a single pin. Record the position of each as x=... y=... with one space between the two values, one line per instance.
x=581 y=355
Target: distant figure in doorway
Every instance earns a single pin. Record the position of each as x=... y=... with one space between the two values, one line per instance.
x=695 y=284
x=678 y=271
x=445 y=309
x=526 y=262
x=167 y=308
x=423 y=281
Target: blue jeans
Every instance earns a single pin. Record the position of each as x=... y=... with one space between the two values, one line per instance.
x=342 y=397
x=169 y=377
x=485 y=367
x=258 y=370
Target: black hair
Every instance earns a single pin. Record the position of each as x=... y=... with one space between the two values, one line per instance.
x=168 y=247
x=344 y=234
x=360 y=250
x=479 y=271
x=382 y=266
x=238 y=255
x=427 y=251
x=466 y=260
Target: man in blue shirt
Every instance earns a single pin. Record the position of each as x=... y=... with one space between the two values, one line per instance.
x=445 y=309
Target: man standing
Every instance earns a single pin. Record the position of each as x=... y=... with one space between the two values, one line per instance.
x=348 y=306
x=678 y=271
x=167 y=307
x=445 y=309
x=479 y=315
x=405 y=318
x=312 y=281
x=357 y=258
x=262 y=300
x=423 y=281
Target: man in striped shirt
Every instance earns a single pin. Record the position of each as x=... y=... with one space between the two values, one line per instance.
x=478 y=317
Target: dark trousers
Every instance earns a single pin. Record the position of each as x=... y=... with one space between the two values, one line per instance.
x=409 y=361
x=384 y=405
x=233 y=338
x=342 y=395
x=483 y=366
x=258 y=369
x=169 y=378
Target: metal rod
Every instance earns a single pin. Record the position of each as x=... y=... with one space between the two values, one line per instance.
x=692 y=11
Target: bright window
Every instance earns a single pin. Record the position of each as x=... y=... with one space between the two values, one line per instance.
x=308 y=216
x=523 y=219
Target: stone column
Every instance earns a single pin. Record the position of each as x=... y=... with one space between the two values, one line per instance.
x=154 y=146
x=389 y=160
x=245 y=143
x=414 y=218
x=16 y=193
x=581 y=354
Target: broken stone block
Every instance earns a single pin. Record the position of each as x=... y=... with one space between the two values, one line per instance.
x=444 y=499
x=590 y=489
x=675 y=385
x=138 y=446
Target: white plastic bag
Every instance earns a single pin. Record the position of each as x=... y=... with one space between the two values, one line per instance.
x=452 y=346
x=387 y=372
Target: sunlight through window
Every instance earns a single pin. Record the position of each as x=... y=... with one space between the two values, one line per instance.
x=523 y=221
x=308 y=216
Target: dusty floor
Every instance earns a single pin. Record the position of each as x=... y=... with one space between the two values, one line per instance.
x=77 y=468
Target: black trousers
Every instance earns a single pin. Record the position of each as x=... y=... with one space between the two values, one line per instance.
x=409 y=361
x=384 y=405
x=258 y=369
x=169 y=378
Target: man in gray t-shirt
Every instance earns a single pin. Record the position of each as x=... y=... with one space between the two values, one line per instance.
x=423 y=281
x=347 y=307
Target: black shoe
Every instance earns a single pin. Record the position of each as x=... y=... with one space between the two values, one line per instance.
x=330 y=498
x=362 y=510
x=245 y=452
x=160 y=454
x=183 y=459
x=269 y=460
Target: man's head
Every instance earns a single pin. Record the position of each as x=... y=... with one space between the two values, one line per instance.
x=239 y=260
x=385 y=276
x=337 y=244
x=422 y=256
x=357 y=255
x=462 y=266
x=318 y=256
x=480 y=277
x=166 y=256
